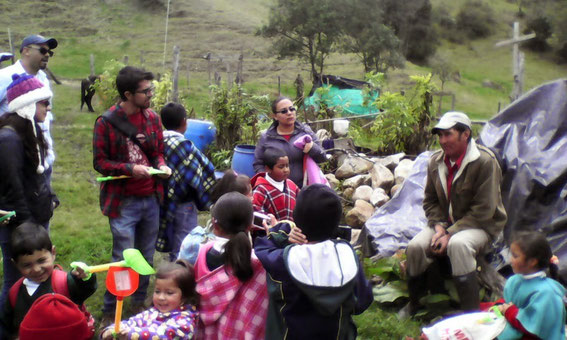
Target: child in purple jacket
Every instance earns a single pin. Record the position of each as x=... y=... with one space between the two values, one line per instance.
x=173 y=315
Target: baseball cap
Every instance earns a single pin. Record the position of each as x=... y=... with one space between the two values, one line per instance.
x=38 y=40
x=450 y=119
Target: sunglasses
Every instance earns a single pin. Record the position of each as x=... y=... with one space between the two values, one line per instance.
x=44 y=102
x=148 y=90
x=287 y=109
x=42 y=50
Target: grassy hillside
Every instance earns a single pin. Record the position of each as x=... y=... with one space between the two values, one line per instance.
x=112 y=29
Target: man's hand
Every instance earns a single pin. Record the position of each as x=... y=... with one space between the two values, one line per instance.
x=440 y=247
x=439 y=240
x=439 y=232
x=165 y=169
x=140 y=171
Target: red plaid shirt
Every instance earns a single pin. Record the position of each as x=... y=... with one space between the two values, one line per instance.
x=228 y=308
x=270 y=200
x=110 y=158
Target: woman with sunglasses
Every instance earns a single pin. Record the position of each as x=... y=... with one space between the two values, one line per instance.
x=283 y=132
x=23 y=184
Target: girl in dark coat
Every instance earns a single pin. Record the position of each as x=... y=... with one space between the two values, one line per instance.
x=23 y=185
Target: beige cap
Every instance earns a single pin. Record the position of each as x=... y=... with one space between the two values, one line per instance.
x=450 y=119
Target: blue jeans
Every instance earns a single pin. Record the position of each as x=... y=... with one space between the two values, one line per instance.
x=185 y=221
x=136 y=227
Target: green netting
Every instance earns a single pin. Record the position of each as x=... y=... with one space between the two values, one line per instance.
x=350 y=100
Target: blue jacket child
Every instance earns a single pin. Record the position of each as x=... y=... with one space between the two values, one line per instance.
x=314 y=286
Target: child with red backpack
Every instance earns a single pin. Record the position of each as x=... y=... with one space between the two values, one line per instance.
x=34 y=257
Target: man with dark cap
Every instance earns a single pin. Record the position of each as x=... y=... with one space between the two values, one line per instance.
x=464 y=210
x=35 y=52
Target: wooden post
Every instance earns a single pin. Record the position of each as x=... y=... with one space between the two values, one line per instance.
x=165 y=38
x=207 y=57
x=517 y=58
x=11 y=45
x=228 y=76
x=92 y=65
x=126 y=60
x=239 y=79
x=175 y=94
x=142 y=60
x=279 y=87
x=188 y=73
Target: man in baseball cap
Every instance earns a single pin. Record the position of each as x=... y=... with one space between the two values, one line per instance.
x=36 y=39
x=464 y=211
x=35 y=52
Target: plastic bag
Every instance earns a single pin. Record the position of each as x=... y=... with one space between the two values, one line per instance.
x=470 y=326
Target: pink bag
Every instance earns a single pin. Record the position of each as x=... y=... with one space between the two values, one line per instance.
x=312 y=174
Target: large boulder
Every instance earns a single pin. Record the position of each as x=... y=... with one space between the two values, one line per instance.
x=403 y=170
x=347 y=193
x=358 y=215
x=352 y=166
x=395 y=189
x=333 y=181
x=392 y=161
x=363 y=192
x=356 y=181
x=382 y=177
x=379 y=197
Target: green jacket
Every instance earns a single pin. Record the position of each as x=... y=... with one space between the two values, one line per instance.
x=476 y=200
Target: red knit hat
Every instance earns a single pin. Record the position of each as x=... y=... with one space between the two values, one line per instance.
x=54 y=317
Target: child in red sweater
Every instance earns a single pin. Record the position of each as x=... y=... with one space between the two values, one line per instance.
x=273 y=192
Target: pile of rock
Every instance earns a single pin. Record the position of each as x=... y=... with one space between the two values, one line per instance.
x=368 y=182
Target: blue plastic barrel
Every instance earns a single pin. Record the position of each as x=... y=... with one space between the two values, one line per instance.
x=243 y=158
x=201 y=132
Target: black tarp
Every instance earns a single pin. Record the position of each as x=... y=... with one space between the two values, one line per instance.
x=530 y=137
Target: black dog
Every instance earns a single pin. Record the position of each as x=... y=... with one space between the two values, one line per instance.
x=87 y=92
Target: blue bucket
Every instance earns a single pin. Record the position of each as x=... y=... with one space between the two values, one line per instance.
x=201 y=132
x=243 y=158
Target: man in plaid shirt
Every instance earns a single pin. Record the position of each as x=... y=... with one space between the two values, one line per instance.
x=128 y=140
x=190 y=185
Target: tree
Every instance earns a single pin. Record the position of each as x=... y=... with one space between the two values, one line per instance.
x=476 y=19
x=411 y=21
x=365 y=35
x=307 y=29
x=443 y=68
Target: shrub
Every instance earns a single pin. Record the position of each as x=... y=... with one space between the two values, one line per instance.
x=541 y=26
x=476 y=19
x=404 y=124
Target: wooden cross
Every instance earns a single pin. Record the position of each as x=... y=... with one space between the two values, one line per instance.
x=517 y=58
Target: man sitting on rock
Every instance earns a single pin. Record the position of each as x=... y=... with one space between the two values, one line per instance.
x=464 y=211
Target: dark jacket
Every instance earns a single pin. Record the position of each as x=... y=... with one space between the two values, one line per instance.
x=476 y=200
x=314 y=288
x=270 y=138
x=22 y=189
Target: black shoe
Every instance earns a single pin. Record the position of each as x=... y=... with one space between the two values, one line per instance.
x=468 y=291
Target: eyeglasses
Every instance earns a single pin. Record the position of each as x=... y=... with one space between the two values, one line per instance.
x=290 y=109
x=42 y=50
x=148 y=90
